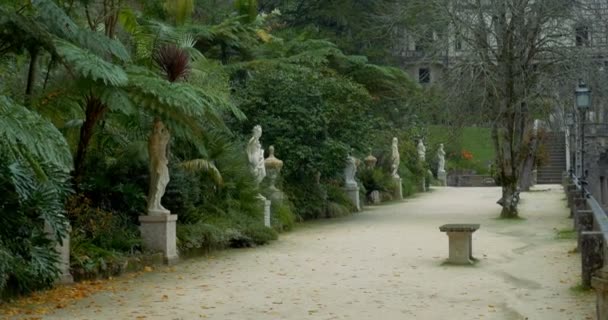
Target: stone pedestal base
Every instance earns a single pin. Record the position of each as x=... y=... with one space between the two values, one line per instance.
x=442 y=176
x=398 y=188
x=375 y=197
x=158 y=234
x=353 y=194
x=266 y=205
x=461 y=242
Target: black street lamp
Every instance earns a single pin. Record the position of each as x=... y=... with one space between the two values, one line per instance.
x=582 y=96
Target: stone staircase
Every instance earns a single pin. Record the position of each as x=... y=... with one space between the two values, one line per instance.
x=551 y=173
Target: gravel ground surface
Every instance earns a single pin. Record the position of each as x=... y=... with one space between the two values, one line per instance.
x=383 y=263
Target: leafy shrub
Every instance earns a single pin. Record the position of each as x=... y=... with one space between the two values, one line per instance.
x=200 y=236
x=259 y=234
x=104 y=229
x=283 y=218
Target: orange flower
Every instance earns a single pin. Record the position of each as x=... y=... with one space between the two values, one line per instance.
x=467 y=155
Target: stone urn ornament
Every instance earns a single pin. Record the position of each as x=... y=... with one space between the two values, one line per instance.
x=370 y=160
x=273 y=168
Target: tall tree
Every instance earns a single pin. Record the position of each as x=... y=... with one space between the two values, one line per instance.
x=509 y=48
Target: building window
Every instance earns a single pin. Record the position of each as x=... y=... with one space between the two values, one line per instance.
x=424 y=75
x=582 y=36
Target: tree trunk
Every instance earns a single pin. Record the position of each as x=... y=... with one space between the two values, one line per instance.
x=510 y=200
x=31 y=75
x=94 y=111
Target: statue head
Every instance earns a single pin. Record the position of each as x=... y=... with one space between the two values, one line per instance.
x=271 y=151
x=441 y=146
x=395 y=141
x=257 y=131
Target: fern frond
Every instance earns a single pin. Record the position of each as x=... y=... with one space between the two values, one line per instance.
x=89 y=65
x=57 y=22
x=34 y=136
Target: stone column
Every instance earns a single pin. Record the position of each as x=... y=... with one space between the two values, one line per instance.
x=158 y=233
x=600 y=283
x=592 y=255
x=578 y=203
x=583 y=222
x=570 y=190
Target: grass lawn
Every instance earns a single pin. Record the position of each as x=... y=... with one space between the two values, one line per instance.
x=476 y=140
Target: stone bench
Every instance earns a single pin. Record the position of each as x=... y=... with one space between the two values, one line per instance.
x=461 y=242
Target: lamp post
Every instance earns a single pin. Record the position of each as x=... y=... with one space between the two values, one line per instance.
x=569 y=121
x=582 y=96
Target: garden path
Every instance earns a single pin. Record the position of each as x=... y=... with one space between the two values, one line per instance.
x=383 y=263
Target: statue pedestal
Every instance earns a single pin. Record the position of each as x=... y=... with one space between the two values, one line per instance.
x=63 y=251
x=158 y=234
x=266 y=206
x=442 y=176
x=398 y=188
x=353 y=193
x=64 y=260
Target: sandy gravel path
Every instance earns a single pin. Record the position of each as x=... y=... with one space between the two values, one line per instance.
x=384 y=263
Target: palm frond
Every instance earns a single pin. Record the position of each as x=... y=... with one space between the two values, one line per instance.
x=206 y=166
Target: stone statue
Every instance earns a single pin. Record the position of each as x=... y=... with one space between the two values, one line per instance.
x=159 y=171
x=273 y=168
x=441 y=158
x=350 y=171
x=421 y=151
x=255 y=154
x=395 y=158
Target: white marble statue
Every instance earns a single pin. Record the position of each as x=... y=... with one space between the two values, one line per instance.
x=350 y=171
x=255 y=153
x=441 y=158
x=421 y=151
x=159 y=171
x=395 y=158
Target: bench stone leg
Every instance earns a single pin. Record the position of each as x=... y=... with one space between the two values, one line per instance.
x=460 y=247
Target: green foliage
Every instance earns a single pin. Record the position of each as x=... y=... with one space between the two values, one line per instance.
x=31 y=210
